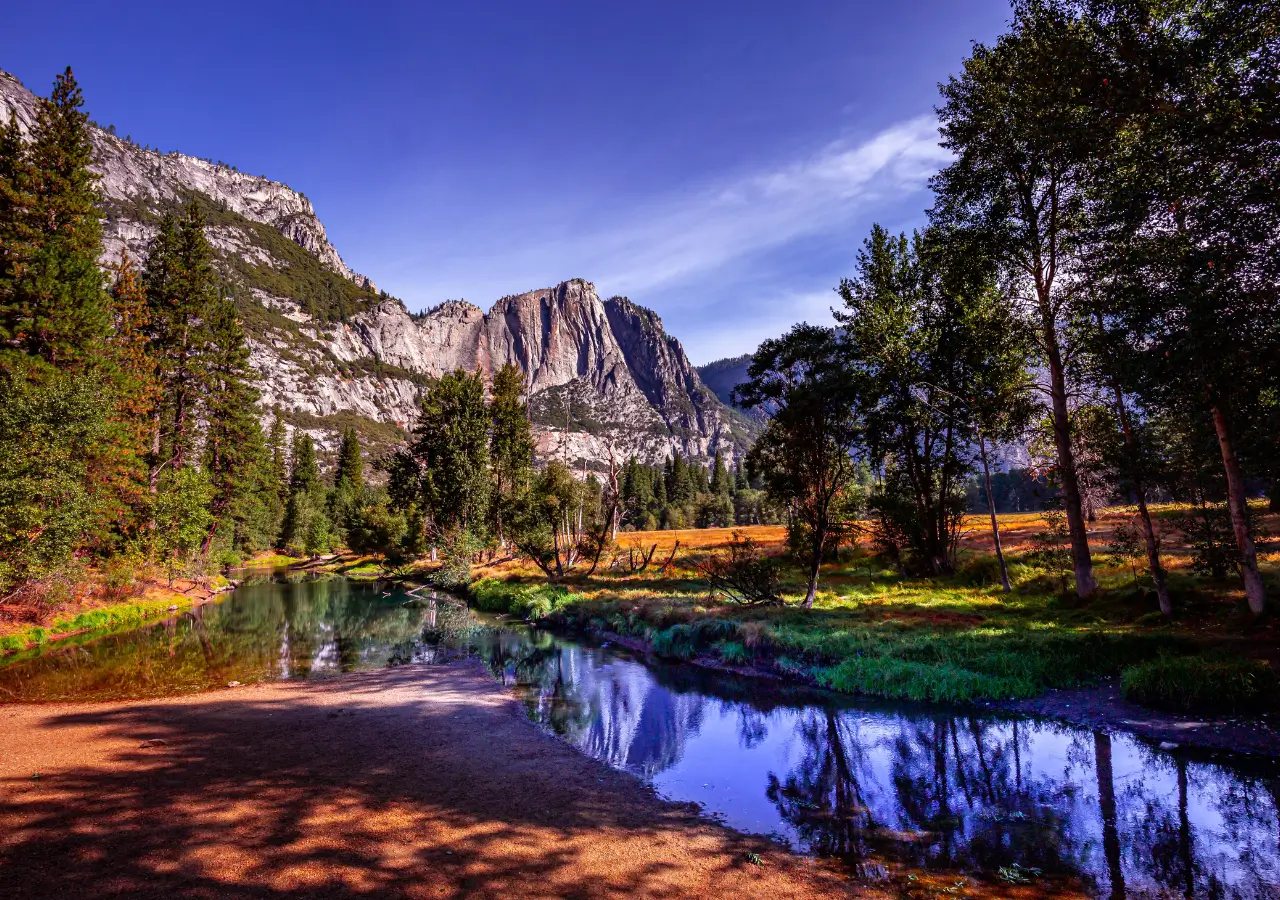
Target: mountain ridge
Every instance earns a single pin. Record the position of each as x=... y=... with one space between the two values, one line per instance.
x=332 y=351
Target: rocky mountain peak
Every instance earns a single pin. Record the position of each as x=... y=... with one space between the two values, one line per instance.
x=332 y=352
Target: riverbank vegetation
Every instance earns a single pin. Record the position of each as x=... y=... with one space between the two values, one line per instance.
x=959 y=637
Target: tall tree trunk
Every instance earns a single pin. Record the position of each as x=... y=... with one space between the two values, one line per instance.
x=1107 y=806
x=1139 y=488
x=815 y=563
x=991 y=506
x=1081 y=561
x=1237 y=505
x=1185 y=855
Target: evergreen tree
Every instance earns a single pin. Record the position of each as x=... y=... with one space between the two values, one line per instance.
x=61 y=484
x=510 y=442
x=53 y=303
x=306 y=527
x=720 y=481
x=451 y=450
x=182 y=287
x=233 y=441
x=134 y=390
x=349 y=473
x=348 y=480
x=278 y=457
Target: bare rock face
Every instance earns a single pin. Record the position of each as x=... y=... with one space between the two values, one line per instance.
x=602 y=376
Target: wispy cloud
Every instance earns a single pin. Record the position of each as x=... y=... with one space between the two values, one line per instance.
x=684 y=236
x=670 y=250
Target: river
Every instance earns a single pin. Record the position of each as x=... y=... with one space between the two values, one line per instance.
x=956 y=789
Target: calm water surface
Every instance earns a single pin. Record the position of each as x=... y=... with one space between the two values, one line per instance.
x=868 y=782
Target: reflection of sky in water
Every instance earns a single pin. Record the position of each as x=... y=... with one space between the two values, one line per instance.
x=860 y=780
x=928 y=786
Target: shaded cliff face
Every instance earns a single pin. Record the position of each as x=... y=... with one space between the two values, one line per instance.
x=331 y=351
x=723 y=375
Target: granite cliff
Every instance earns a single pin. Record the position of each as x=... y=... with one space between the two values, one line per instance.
x=333 y=351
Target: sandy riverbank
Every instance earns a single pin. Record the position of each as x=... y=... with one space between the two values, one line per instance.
x=414 y=782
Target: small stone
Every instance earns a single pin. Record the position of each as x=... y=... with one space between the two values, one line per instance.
x=233 y=684
x=172 y=607
x=1168 y=745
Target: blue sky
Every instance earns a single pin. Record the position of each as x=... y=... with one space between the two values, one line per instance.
x=718 y=162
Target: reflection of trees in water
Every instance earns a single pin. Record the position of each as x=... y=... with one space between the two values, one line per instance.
x=1173 y=848
x=262 y=630
x=963 y=793
x=943 y=791
x=822 y=795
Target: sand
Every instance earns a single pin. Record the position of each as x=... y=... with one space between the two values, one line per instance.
x=423 y=781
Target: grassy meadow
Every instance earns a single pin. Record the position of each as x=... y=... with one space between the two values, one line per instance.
x=957 y=638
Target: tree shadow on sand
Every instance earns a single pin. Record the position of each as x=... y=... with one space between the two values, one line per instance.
x=351 y=788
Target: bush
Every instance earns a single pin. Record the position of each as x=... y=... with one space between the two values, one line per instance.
x=743 y=575
x=979 y=571
x=676 y=642
x=1213 y=683
x=230 y=559
x=457 y=548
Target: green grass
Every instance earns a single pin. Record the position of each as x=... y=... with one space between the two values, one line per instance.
x=118 y=615
x=528 y=601
x=1211 y=683
x=950 y=639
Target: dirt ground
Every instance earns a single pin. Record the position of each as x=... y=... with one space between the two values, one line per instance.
x=414 y=782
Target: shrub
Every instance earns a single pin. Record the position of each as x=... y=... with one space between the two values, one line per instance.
x=1213 y=683
x=458 y=547
x=979 y=571
x=1207 y=529
x=230 y=559
x=742 y=575
x=683 y=640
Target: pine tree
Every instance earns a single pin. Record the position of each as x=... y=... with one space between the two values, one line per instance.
x=181 y=287
x=135 y=394
x=53 y=303
x=350 y=470
x=17 y=235
x=348 y=480
x=510 y=442
x=720 y=481
x=233 y=442
x=60 y=459
x=306 y=526
x=451 y=447
x=278 y=452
